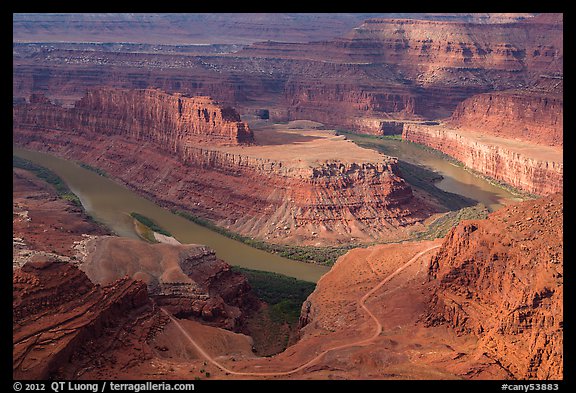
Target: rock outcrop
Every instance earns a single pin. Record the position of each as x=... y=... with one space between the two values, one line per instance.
x=533 y=168
x=45 y=224
x=501 y=280
x=148 y=115
x=187 y=280
x=63 y=323
x=298 y=199
x=529 y=116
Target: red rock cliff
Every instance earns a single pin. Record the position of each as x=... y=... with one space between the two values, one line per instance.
x=383 y=68
x=529 y=116
x=329 y=201
x=501 y=279
x=533 y=168
x=170 y=120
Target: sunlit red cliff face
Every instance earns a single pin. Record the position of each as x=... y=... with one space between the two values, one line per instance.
x=526 y=116
x=512 y=136
x=147 y=115
x=190 y=154
x=501 y=280
x=486 y=304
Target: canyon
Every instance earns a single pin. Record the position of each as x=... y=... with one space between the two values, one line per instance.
x=80 y=294
x=244 y=123
x=383 y=73
x=284 y=186
x=510 y=136
x=437 y=314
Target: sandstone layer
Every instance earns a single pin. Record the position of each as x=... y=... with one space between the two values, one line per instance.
x=64 y=324
x=169 y=120
x=527 y=166
x=528 y=116
x=290 y=186
x=186 y=28
x=383 y=68
x=501 y=280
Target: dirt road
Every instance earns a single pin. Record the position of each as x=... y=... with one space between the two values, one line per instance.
x=362 y=303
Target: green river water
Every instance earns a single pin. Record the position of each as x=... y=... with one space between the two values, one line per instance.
x=110 y=203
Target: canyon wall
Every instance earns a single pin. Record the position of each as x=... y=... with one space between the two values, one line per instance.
x=384 y=68
x=201 y=28
x=483 y=303
x=526 y=167
x=419 y=67
x=75 y=319
x=187 y=280
x=501 y=280
x=528 y=116
x=416 y=45
x=167 y=119
x=324 y=202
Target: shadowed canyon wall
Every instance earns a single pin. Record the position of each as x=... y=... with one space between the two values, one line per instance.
x=56 y=301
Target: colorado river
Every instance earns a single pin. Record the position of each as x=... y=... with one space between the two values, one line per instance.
x=110 y=203
x=455 y=178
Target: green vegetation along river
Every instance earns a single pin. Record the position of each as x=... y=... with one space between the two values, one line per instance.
x=455 y=178
x=111 y=204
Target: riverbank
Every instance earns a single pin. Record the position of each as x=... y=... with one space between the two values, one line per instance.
x=454 y=184
x=111 y=203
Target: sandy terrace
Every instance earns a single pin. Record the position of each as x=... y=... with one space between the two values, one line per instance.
x=300 y=143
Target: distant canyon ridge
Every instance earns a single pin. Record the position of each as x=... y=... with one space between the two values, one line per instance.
x=499 y=74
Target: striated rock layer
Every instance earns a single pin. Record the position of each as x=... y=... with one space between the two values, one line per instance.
x=384 y=68
x=501 y=280
x=533 y=168
x=149 y=115
x=63 y=323
x=529 y=116
x=321 y=201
